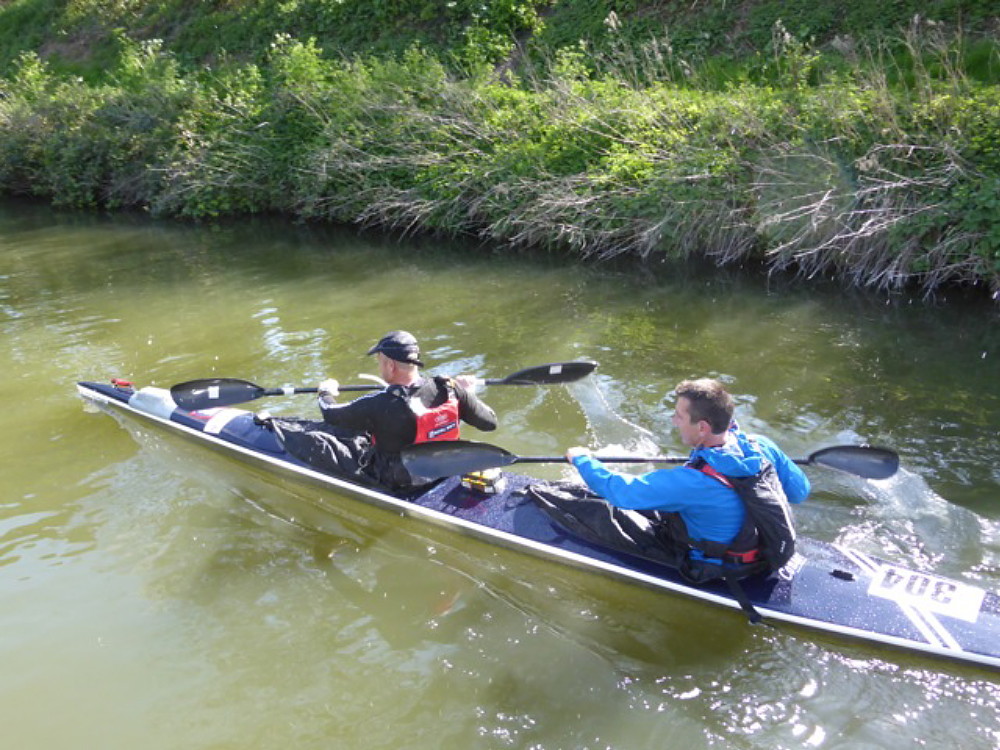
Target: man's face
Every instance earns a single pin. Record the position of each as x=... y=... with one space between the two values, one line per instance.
x=692 y=433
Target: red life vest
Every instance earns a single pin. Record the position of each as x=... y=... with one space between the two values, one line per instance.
x=437 y=422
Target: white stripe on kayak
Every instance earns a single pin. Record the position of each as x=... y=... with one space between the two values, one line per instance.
x=861 y=560
x=917 y=618
x=963 y=601
x=947 y=639
x=220 y=419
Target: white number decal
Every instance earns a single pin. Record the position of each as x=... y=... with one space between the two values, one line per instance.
x=928 y=593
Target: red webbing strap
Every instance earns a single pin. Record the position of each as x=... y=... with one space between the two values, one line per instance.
x=707 y=468
x=750 y=556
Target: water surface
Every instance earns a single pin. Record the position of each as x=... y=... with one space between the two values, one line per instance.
x=157 y=597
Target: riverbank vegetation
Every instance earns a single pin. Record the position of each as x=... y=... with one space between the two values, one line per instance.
x=859 y=143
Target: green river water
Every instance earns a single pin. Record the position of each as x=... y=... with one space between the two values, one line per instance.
x=154 y=596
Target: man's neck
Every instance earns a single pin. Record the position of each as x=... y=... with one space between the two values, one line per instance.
x=405 y=380
x=714 y=441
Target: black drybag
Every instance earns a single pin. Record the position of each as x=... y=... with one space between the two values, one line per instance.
x=768 y=525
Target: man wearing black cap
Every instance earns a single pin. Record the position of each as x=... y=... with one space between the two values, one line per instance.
x=411 y=409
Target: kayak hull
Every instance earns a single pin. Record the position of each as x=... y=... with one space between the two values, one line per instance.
x=824 y=587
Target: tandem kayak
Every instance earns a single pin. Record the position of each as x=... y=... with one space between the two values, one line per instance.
x=824 y=586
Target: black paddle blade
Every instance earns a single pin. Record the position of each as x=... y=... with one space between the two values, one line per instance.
x=551 y=374
x=449 y=458
x=204 y=394
x=862 y=460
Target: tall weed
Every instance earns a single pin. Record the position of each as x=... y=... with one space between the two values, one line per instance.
x=882 y=170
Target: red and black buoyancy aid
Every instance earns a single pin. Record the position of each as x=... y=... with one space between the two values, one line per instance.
x=767 y=535
x=765 y=542
x=436 y=422
x=743 y=548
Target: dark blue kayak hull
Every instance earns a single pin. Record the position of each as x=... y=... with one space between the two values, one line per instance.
x=825 y=586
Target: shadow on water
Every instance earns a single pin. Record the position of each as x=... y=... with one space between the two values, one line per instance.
x=223 y=608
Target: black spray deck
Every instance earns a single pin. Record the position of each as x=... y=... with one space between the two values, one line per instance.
x=824 y=586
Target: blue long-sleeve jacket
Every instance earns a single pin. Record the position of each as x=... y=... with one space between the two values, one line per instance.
x=711 y=510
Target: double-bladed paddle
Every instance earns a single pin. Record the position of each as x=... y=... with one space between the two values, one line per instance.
x=202 y=394
x=454 y=457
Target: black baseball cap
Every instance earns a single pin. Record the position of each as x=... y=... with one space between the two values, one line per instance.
x=400 y=346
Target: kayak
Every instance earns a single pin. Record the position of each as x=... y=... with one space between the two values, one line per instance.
x=825 y=587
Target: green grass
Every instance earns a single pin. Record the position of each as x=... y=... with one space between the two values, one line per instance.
x=761 y=132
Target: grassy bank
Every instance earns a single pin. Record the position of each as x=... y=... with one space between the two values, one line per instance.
x=874 y=159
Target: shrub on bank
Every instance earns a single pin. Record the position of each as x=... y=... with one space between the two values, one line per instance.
x=89 y=146
x=878 y=183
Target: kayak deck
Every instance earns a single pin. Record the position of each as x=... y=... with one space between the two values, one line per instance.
x=824 y=586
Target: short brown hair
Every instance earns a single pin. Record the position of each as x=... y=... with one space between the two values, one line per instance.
x=709 y=401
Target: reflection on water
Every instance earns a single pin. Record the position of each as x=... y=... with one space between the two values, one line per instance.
x=158 y=597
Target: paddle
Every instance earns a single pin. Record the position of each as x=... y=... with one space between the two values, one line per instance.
x=454 y=457
x=201 y=394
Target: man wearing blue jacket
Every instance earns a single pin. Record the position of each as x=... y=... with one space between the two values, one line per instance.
x=699 y=492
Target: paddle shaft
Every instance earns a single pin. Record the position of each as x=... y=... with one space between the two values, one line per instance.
x=213 y=392
x=462 y=456
x=605 y=459
x=372 y=387
x=627 y=460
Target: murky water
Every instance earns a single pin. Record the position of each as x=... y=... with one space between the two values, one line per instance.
x=157 y=597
